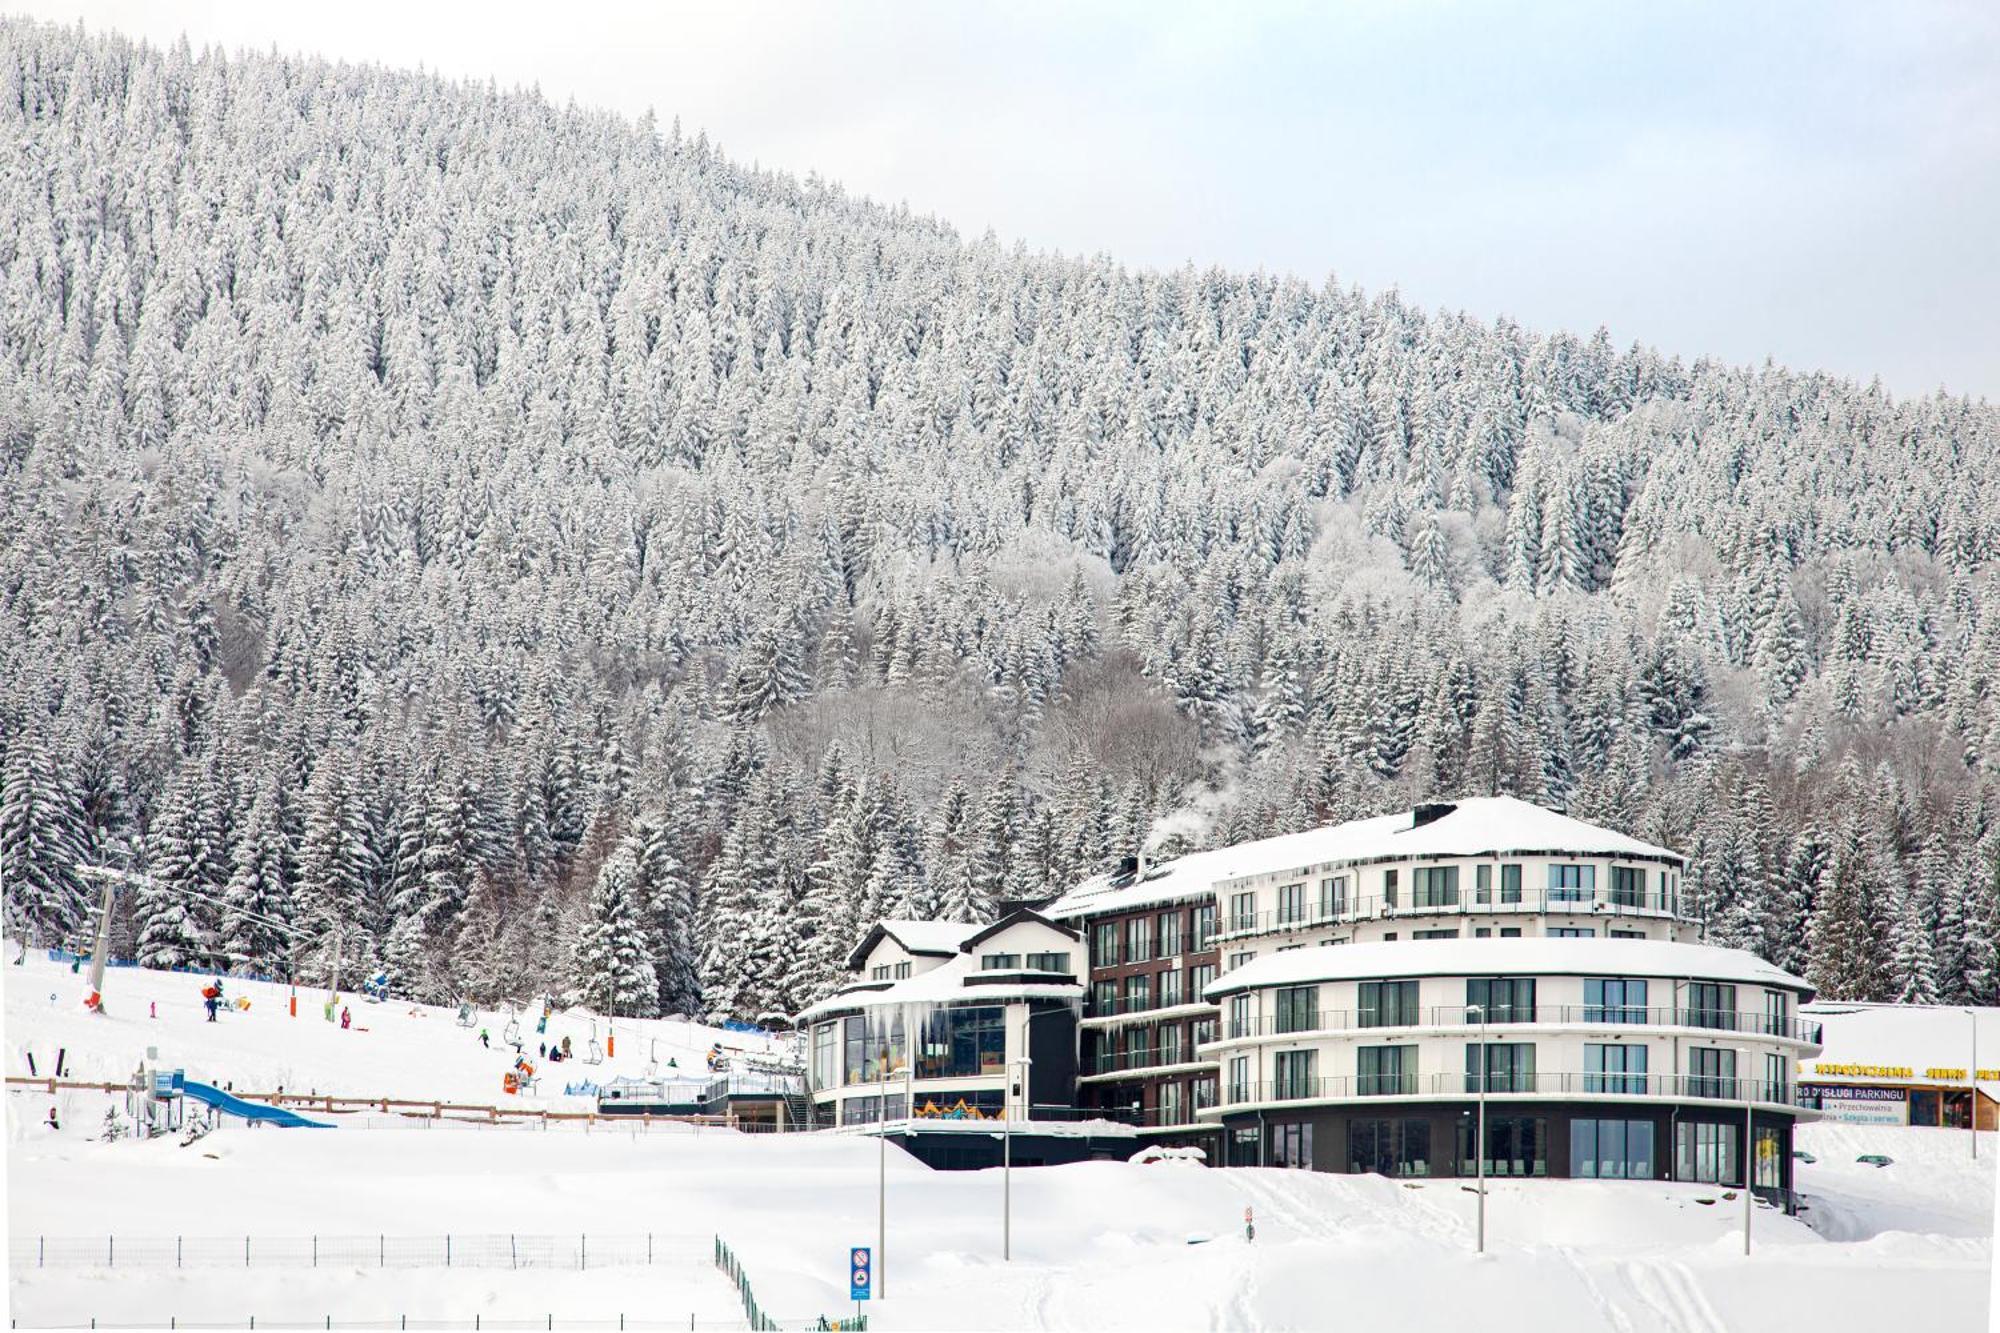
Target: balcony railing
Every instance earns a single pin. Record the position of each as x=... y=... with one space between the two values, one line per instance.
x=1571 y=1015
x=1150 y=1057
x=1343 y=1087
x=1140 y=1004
x=1567 y=902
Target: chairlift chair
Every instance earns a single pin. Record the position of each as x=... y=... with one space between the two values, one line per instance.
x=595 y=1055
x=468 y=1017
x=511 y=1034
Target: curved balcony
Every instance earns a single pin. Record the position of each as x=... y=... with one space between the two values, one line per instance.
x=1539 y=902
x=1506 y=1085
x=1458 y=1018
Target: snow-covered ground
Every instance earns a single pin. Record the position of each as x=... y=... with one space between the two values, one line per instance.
x=1097 y=1246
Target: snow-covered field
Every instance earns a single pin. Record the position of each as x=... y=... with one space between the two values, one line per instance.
x=1102 y=1245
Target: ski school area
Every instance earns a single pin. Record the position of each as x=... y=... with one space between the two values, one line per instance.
x=438 y=1198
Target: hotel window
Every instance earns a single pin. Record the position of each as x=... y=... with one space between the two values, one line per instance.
x=1170 y=988
x=1714 y=1072
x=1239 y=1078
x=902 y=971
x=1510 y=1066
x=1482 y=884
x=1291 y=903
x=1706 y=1153
x=1510 y=884
x=1000 y=962
x=1573 y=933
x=1237 y=960
x=1400 y=1147
x=1204 y=1092
x=854 y=1066
x=861 y=1110
x=1628 y=886
x=1204 y=1031
x=1434 y=886
x=1200 y=979
x=1169 y=934
x=1292 y=1072
x=1104 y=945
x=1482 y=932
x=1204 y=928
x=1292 y=1145
x=1777 y=1080
x=1614 y=1000
x=958 y=1043
x=1502 y=999
x=1387 y=1004
x=1385 y=1071
x=1777 y=1014
x=826 y=1055
x=881 y=973
x=1298 y=1008
x=1243 y=911
x=1173 y=1104
x=1139 y=939
x=1103 y=998
x=1048 y=962
x=1138 y=992
x=1138 y=1047
x=1510 y=932
x=1240 y=1022
x=1611 y=1149
x=1614 y=1068
x=1170 y=1043
x=1628 y=934
x=1434 y=934
x=1572 y=883
x=1516 y=1145
x=1711 y=1005
x=1333 y=897
x=1389 y=888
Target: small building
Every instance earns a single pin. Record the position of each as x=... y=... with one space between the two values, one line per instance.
x=1889 y=1064
x=958 y=1038
x=1629 y=1059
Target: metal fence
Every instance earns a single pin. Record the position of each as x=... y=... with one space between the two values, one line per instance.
x=577 y=1251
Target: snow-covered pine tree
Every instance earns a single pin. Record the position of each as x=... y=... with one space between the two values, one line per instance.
x=613 y=971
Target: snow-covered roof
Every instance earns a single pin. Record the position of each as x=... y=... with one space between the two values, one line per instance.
x=928 y=938
x=1867 y=1037
x=942 y=984
x=1475 y=826
x=1524 y=956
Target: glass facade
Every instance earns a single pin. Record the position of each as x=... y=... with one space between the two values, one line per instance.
x=1516 y=1145
x=1291 y=903
x=961 y=1043
x=1501 y=999
x=1706 y=1153
x=1298 y=1008
x=1510 y=1066
x=1611 y=1149
x=1614 y=1068
x=1614 y=1000
x=1292 y=1145
x=1572 y=883
x=1387 y=1004
x=1389 y=1147
x=1292 y=1074
x=1385 y=1071
x=1434 y=886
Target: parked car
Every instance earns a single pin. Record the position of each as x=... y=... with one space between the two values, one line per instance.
x=1875 y=1159
x=1801 y=1155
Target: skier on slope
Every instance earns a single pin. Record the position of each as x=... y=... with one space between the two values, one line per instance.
x=346 y=1017
x=483 y=1041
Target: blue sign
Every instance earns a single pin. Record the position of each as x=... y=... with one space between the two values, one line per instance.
x=860 y=1273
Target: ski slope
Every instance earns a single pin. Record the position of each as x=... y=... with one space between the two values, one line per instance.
x=392 y=1049
x=1097 y=1246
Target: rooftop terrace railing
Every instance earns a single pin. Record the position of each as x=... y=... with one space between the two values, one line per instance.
x=1559 y=902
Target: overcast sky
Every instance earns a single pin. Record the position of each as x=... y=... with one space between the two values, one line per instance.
x=1817 y=183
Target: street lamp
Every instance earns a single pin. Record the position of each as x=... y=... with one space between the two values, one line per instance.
x=1479 y=1142
x=1972 y=1085
x=1007 y=1164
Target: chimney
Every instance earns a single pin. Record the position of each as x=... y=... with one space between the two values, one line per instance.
x=1430 y=812
x=1127 y=871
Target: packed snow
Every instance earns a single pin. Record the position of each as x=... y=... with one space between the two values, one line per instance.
x=1103 y=1245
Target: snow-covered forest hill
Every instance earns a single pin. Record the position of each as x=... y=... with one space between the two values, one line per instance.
x=564 y=557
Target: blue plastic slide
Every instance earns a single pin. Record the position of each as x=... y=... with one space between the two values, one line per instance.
x=228 y=1105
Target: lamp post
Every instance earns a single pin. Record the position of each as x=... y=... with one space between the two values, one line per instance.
x=1007 y=1165
x=1479 y=1138
x=1972 y=1085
